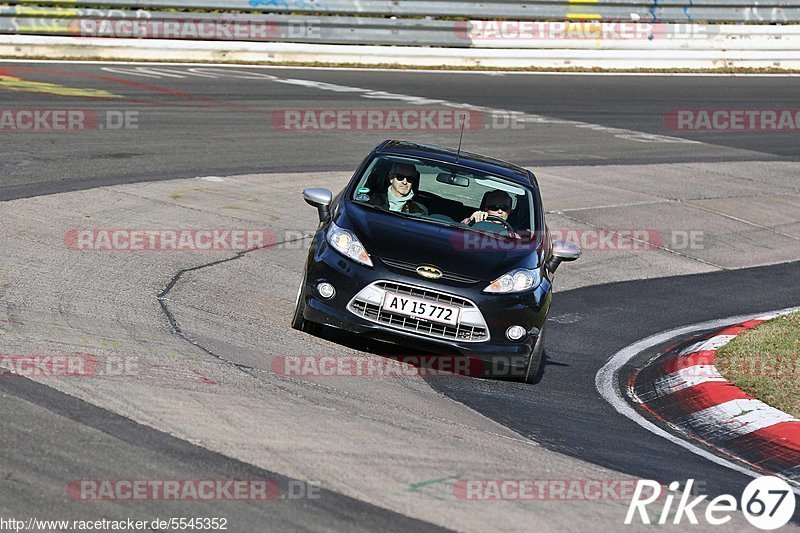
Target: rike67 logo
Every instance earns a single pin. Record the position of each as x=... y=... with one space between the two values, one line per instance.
x=767 y=503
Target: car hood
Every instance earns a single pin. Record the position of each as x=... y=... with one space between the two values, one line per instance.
x=463 y=252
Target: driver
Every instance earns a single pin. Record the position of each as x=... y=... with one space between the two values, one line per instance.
x=496 y=203
x=403 y=178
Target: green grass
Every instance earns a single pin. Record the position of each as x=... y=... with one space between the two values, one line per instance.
x=765 y=362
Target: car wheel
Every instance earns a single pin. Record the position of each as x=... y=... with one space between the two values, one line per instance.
x=298 y=321
x=535 y=361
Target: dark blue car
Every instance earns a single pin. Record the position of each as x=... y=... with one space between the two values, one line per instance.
x=439 y=250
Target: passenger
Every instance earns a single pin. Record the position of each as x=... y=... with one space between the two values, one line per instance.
x=403 y=180
x=495 y=203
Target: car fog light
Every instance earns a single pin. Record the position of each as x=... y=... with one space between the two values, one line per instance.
x=326 y=290
x=515 y=333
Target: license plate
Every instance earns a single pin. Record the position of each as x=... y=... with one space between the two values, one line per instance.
x=419 y=308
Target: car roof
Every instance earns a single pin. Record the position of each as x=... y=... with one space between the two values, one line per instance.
x=450 y=155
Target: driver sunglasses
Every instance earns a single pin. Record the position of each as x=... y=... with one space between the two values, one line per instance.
x=401 y=177
x=499 y=207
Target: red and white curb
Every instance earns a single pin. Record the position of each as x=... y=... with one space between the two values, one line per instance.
x=683 y=390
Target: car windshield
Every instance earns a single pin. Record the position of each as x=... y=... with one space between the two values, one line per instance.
x=444 y=193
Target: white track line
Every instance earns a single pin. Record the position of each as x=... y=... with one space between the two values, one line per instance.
x=607 y=377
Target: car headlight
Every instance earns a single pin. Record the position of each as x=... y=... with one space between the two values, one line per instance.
x=518 y=280
x=346 y=243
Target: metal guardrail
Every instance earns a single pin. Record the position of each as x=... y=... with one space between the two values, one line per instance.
x=740 y=50
x=651 y=10
x=380 y=22
x=233 y=27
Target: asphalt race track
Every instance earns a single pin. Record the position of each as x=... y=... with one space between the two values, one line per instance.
x=565 y=413
x=605 y=156
x=189 y=125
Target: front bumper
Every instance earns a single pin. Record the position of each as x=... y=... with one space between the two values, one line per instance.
x=496 y=312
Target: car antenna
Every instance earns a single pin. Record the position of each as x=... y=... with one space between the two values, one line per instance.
x=463 y=120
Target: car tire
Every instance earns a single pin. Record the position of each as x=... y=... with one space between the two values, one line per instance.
x=535 y=360
x=298 y=321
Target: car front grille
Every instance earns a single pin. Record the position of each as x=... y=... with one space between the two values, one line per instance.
x=412 y=267
x=367 y=304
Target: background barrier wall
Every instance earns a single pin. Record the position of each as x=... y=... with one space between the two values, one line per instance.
x=489 y=33
x=397 y=22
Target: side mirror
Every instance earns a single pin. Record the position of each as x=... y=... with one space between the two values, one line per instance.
x=321 y=199
x=562 y=251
